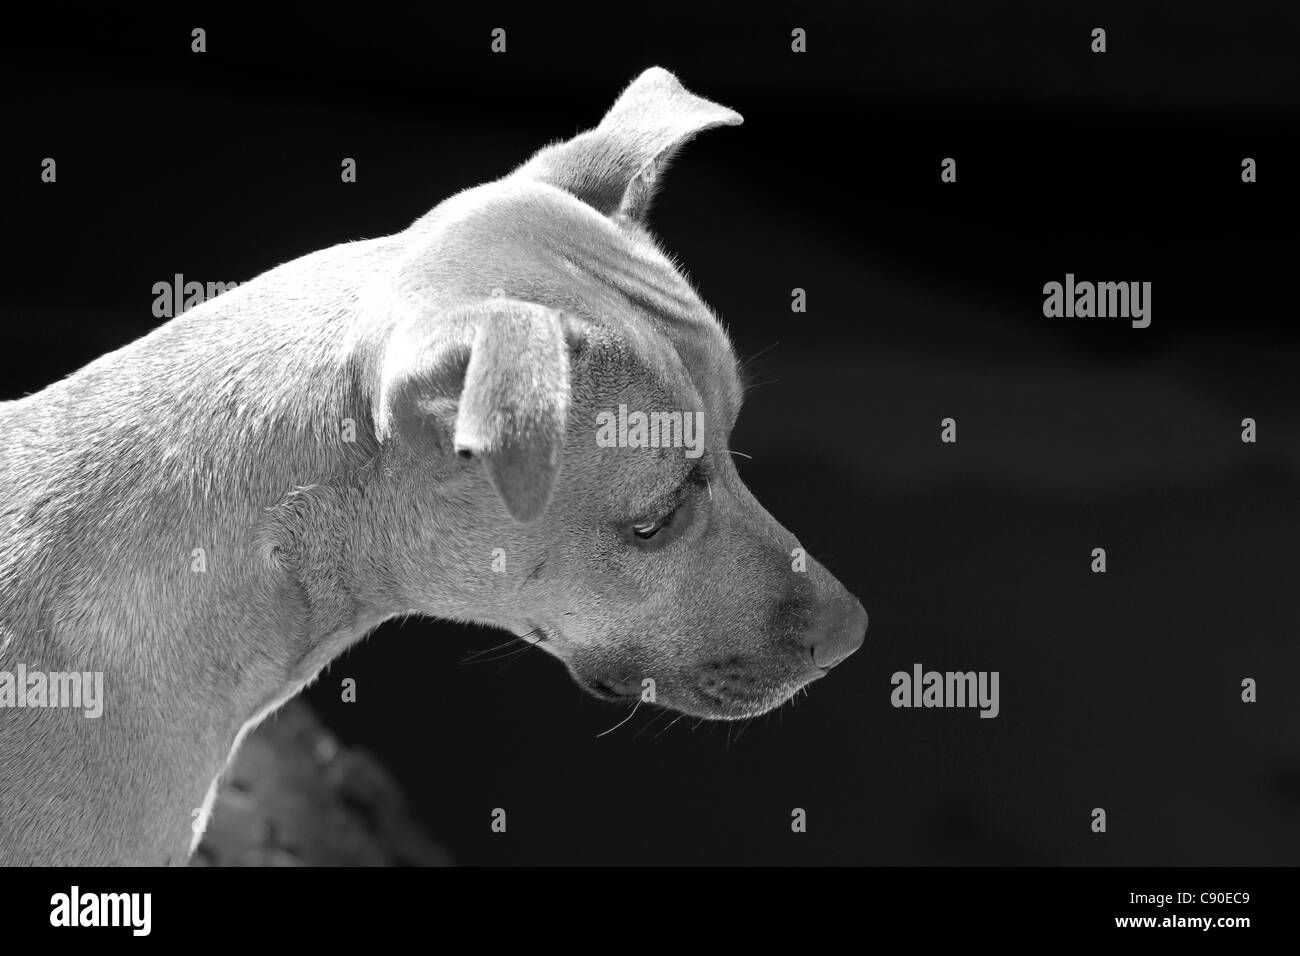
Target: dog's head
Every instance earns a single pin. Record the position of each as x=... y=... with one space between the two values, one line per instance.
x=554 y=413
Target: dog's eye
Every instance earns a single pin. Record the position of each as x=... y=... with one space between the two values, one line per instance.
x=645 y=530
x=651 y=534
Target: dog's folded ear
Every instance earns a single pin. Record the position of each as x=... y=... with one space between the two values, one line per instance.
x=512 y=406
x=616 y=167
x=515 y=402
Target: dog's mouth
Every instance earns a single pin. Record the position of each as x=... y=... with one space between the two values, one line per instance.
x=611 y=691
x=720 y=691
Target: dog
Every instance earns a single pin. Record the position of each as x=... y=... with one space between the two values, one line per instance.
x=404 y=425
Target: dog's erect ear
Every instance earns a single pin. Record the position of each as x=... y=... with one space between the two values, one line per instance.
x=616 y=167
x=511 y=409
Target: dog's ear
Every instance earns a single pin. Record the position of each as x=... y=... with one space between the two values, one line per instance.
x=616 y=167
x=512 y=405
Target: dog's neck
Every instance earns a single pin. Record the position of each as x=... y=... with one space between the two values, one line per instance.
x=150 y=552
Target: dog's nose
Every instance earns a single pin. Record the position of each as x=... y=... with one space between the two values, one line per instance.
x=836 y=635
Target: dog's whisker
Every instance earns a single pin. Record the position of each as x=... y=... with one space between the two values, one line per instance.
x=653 y=720
x=745 y=368
x=515 y=656
x=513 y=652
x=760 y=353
x=478 y=657
x=489 y=653
x=488 y=660
x=743 y=727
x=670 y=726
x=496 y=657
x=488 y=650
x=635 y=708
x=739 y=454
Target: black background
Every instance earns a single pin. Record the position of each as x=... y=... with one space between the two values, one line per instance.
x=1119 y=691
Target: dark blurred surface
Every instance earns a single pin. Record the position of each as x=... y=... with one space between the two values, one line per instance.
x=294 y=796
x=1118 y=690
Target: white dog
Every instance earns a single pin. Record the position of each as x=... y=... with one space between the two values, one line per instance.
x=411 y=424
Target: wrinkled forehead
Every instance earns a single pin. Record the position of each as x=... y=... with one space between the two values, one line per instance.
x=537 y=243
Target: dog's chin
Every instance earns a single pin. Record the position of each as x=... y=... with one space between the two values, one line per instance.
x=694 y=700
x=725 y=706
